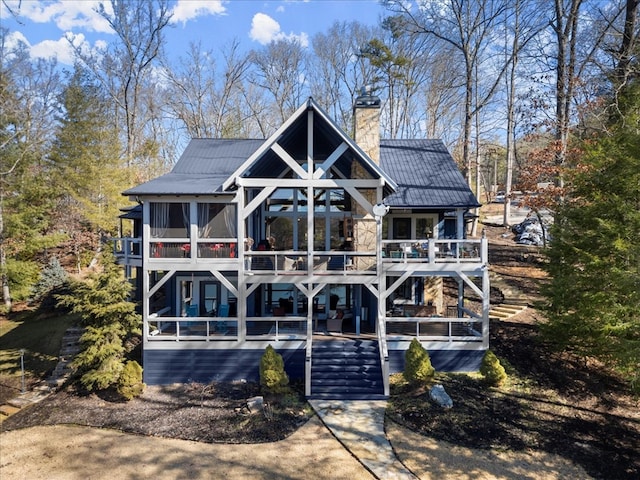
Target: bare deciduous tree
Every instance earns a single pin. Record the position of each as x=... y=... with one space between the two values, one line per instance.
x=469 y=27
x=279 y=69
x=202 y=96
x=125 y=67
x=337 y=71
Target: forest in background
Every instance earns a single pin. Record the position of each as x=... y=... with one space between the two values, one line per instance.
x=525 y=93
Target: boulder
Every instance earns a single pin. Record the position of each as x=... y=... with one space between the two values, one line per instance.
x=438 y=395
x=255 y=404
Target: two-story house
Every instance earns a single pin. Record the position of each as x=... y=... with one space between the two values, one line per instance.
x=337 y=251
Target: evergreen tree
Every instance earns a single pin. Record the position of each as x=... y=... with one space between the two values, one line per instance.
x=51 y=279
x=492 y=370
x=594 y=259
x=28 y=90
x=104 y=308
x=85 y=163
x=273 y=377
x=417 y=364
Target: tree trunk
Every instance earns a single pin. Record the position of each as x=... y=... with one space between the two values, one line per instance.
x=6 y=292
x=511 y=99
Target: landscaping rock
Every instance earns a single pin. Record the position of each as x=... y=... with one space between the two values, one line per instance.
x=438 y=394
x=255 y=404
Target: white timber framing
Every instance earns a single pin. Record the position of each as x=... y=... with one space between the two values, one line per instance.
x=312 y=176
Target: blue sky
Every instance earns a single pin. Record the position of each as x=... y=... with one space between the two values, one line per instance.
x=45 y=25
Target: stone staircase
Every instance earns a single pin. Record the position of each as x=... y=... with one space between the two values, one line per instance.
x=514 y=301
x=69 y=348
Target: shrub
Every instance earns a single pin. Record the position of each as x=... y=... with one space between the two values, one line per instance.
x=491 y=369
x=273 y=378
x=130 y=383
x=417 y=364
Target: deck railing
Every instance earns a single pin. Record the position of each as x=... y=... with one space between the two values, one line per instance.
x=225 y=328
x=428 y=251
x=435 y=251
x=435 y=329
x=293 y=261
x=192 y=328
x=127 y=249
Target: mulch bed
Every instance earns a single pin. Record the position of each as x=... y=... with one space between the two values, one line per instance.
x=214 y=413
x=552 y=403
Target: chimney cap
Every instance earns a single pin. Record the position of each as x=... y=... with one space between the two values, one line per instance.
x=366 y=99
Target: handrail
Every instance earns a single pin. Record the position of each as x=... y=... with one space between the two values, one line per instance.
x=292 y=261
x=452 y=330
x=127 y=247
x=308 y=358
x=384 y=353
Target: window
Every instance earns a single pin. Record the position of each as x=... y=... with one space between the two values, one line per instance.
x=216 y=220
x=402 y=228
x=169 y=220
x=413 y=227
x=209 y=298
x=425 y=227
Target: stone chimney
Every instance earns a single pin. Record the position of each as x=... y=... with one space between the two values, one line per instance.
x=366 y=114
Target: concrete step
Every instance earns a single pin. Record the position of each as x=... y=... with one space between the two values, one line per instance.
x=9 y=410
x=505 y=311
x=508 y=308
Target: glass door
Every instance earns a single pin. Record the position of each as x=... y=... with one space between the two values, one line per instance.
x=209 y=298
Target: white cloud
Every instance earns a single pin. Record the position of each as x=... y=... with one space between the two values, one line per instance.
x=65 y=15
x=280 y=9
x=59 y=49
x=12 y=40
x=265 y=30
x=186 y=10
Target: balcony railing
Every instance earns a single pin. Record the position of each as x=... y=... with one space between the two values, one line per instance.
x=292 y=262
x=435 y=329
x=435 y=251
x=425 y=251
x=192 y=328
x=225 y=328
x=127 y=249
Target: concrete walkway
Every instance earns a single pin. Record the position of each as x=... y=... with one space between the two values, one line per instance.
x=359 y=426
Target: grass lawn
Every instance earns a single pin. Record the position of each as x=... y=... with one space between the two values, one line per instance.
x=40 y=335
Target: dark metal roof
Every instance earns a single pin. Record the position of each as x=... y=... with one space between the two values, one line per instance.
x=133 y=212
x=426 y=175
x=201 y=169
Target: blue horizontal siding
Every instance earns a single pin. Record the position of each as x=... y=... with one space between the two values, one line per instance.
x=442 y=360
x=163 y=367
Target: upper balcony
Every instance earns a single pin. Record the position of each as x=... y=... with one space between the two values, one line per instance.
x=395 y=255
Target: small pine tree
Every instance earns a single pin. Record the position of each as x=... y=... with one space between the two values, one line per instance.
x=130 y=383
x=52 y=278
x=417 y=363
x=491 y=369
x=273 y=377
